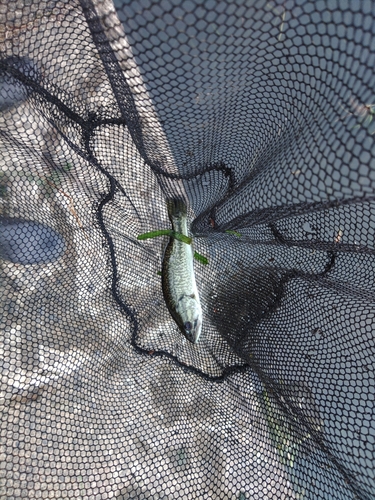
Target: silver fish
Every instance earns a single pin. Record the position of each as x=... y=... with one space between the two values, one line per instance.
x=178 y=280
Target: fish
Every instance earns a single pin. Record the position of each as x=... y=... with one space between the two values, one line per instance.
x=178 y=281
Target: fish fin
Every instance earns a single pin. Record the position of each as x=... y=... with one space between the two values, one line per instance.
x=176 y=207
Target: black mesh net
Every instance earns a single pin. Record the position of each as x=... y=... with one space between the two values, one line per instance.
x=260 y=115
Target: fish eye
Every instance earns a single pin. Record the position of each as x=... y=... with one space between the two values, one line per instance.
x=188 y=325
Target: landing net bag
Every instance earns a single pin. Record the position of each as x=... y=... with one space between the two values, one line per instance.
x=260 y=115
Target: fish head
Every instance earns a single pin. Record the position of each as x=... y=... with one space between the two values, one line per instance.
x=190 y=316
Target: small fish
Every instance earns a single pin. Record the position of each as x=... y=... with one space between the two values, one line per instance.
x=178 y=280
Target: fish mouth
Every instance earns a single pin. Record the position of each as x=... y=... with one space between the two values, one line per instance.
x=191 y=338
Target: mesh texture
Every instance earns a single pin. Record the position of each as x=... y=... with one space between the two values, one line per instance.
x=260 y=115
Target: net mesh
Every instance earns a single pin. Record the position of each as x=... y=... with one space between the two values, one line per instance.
x=260 y=116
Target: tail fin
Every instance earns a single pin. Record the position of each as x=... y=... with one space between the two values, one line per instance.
x=176 y=207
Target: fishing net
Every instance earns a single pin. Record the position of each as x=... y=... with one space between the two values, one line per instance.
x=260 y=116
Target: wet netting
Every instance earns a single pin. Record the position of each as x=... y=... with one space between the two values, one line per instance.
x=259 y=117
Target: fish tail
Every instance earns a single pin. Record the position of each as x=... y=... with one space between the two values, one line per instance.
x=176 y=207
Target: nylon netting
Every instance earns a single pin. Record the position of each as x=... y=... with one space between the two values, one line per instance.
x=260 y=115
